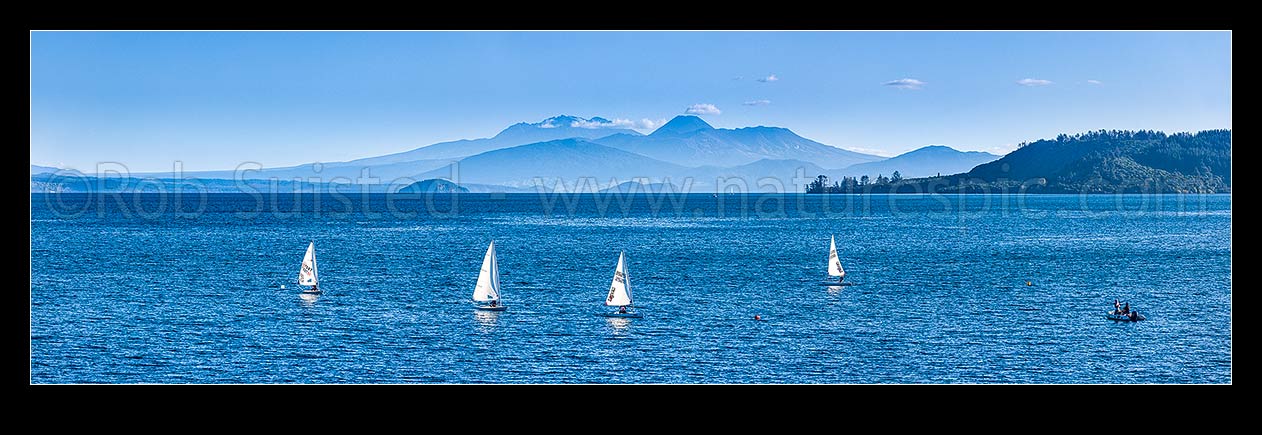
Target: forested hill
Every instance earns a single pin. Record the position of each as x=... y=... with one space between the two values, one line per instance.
x=1095 y=162
x=1114 y=161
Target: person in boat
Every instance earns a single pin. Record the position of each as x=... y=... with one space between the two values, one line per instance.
x=1134 y=314
x=493 y=303
x=1126 y=309
x=1117 y=306
x=622 y=309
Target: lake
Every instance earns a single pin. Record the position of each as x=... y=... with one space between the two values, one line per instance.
x=157 y=288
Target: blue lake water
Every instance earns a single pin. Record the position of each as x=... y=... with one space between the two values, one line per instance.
x=161 y=289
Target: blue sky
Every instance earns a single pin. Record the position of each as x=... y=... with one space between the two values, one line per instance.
x=215 y=99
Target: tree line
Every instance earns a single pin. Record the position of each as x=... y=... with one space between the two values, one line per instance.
x=851 y=184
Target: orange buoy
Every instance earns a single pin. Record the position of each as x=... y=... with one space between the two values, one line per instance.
x=1029 y=283
x=757 y=317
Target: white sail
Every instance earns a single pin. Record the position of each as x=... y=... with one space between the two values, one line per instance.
x=488 y=288
x=308 y=274
x=620 y=290
x=834 y=263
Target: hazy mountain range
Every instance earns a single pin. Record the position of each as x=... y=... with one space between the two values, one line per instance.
x=638 y=187
x=690 y=141
x=37 y=169
x=924 y=162
x=594 y=154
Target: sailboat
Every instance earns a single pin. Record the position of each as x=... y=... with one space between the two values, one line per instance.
x=834 y=264
x=488 y=288
x=308 y=274
x=620 y=291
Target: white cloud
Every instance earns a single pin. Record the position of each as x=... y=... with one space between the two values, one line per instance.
x=1001 y=150
x=547 y=124
x=1034 y=82
x=649 y=124
x=1095 y=82
x=872 y=151
x=593 y=125
x=642 y=124
x=703 y=109
x=770 y=78
x=756 y=103
x=905 y=83
x=738 y=77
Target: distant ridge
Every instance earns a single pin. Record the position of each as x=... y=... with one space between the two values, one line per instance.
x=569 y=160
x=556 y=127
x=432 y=186
x=922 y=162
x=682 y=125
x=688 y=141
x=37 y=169
x=638 y=187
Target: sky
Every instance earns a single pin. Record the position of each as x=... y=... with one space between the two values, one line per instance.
x=213 y=100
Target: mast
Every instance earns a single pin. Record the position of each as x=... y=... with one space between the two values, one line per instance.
x=626 y=275
x=315 y=269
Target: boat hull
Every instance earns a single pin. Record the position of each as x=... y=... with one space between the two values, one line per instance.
x=623 y=315
x=1123 y=317
x=312 y=292
x=495 y=308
